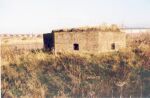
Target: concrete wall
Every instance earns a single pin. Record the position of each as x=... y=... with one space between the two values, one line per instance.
x=89 y=41
x=106 y=39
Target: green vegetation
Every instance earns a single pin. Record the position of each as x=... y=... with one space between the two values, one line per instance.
x=41 y=74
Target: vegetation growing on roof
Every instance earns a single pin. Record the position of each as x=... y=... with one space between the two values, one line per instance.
x=102 y=28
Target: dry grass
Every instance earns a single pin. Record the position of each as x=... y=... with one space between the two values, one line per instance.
x=22 y=42
x=40 y=74
x=102 y=28
x=141 y=40
x=43 y=74
x=10 y=40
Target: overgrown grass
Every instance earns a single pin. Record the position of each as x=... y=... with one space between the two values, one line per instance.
x=42 y=74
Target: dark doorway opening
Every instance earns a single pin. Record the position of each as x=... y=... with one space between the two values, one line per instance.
x=76 y=46
x=48 y=41
x=113 y=46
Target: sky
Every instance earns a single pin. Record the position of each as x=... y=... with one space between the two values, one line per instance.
x=41 y=16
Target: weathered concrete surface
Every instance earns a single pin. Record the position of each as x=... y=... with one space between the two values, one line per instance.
x=106 y=39
x=89 y=41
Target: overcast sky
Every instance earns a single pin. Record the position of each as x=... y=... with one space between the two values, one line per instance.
x=40 y=16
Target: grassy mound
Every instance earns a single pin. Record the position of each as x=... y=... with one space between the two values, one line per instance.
x=43 y=75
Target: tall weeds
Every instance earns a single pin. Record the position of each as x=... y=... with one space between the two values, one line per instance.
x=39 y=74
x=42 y=74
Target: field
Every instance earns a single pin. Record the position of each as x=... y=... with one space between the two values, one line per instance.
x=41 y=74
x=22 y=41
